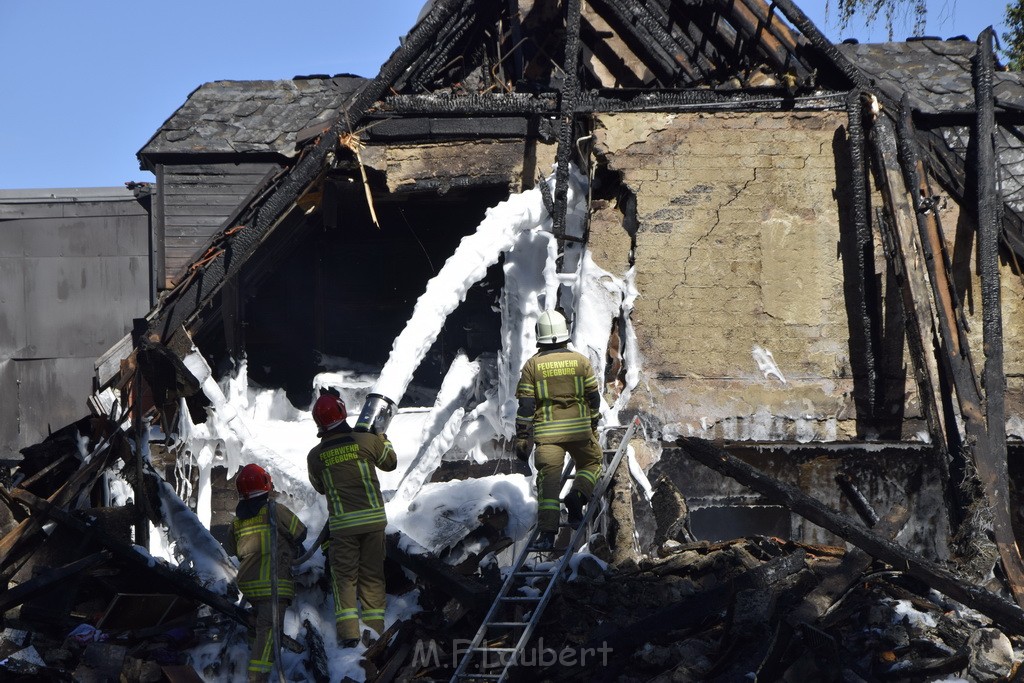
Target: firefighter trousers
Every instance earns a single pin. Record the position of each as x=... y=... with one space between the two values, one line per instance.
x=357 y=572
x=261 y=641
x=548 y=458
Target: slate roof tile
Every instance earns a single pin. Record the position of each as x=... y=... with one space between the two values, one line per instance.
x=249 y=116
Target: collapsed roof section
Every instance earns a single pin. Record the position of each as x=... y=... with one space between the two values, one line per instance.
x=548 y=60
x=248 y=117
x=933 y=79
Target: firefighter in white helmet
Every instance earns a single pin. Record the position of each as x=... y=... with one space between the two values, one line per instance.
x=559 y=405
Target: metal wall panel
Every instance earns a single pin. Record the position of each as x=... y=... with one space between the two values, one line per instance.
x=52 y=393
x=12 y=238
x=80 y=236
x=78 y=307
x=12 y=306
x=74 y=272
x=9 y=443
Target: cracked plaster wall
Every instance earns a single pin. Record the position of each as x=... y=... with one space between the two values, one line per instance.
x=737 y=247
x=438 y=166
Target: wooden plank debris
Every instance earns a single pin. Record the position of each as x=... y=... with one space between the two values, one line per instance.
x=1005 y=613
x=125 y=551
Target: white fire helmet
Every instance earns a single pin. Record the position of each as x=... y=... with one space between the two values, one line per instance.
x=551 y=328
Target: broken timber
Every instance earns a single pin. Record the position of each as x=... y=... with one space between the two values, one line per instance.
x=126 y=551
x=910 y=261
x=1005 y=613
x=992 y=466
x=466 y=590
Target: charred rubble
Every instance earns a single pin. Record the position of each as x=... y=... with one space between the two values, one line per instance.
x=649 y=601
x=83 y=603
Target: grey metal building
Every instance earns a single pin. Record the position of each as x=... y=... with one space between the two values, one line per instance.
x=74 y=271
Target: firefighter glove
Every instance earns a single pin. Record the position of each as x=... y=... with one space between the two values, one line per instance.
x=523 y=448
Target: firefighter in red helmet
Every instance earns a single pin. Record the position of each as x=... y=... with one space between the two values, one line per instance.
x=250 y=541
x=343 y=468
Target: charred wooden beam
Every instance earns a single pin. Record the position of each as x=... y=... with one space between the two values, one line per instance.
x=705 y=100
x=1005 y=613
x=991 y=454
x=685 y=34
x=659 y=51
x=262 y=216
x=466 y=590
x=951 y=171
x=800 y=20
x=607 y=55
x=909 y=262
x=862 y=324
x=704 y=42
x=437 y=104
x=459 y=128
x=758 y=29
x=81 y=480
x=48 y=579
x=126 y=552
x=567 y=117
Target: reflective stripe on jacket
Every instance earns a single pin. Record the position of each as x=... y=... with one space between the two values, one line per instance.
x=343 y=467
x=250 y=542
x=564 y=388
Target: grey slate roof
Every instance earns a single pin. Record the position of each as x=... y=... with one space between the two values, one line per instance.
x=935 y=73
x=230 y=117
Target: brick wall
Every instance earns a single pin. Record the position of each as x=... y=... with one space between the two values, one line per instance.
x=737 y=248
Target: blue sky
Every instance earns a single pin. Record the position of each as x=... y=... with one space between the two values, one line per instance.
x=86 y=83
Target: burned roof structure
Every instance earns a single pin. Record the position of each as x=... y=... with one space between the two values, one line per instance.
x=822 y=241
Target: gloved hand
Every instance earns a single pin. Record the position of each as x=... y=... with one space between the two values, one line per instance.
x=523 y=449
x=593 y=422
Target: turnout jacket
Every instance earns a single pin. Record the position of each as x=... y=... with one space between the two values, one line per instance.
x=343 y=468
x=249 y=541
x=558 y=394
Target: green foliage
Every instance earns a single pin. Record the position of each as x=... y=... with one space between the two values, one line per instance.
x=1013 y=39
x=890 y=10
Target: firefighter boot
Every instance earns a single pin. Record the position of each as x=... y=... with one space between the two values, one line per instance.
x=545 y=541
x=574 y=507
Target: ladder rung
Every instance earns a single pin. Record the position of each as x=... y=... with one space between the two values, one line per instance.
x=533 y=573
x=521 y=599
x=495 y=649
x=507 y=624
x=472 y=677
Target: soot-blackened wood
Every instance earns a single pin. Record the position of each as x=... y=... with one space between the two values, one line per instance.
x=48 y=579
x=1002 y=611
x=466 y=590
x=799 y=20
x=991 y=454
x=126 y=552
x=567 y=116
x=264 y=214
x=913 y=276
x=862 y=324
x=953 y=349
x=702 y=607
x=11 y=546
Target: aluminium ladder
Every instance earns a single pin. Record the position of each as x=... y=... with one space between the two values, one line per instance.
x=478 y=649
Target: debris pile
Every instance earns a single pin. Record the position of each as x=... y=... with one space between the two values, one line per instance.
x=83 y=602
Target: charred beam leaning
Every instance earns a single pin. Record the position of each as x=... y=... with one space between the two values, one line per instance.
x=1005 y=613
x=126 y=551
x=261 y=217
x=864 y=242
x=991 y=460
x=917 y=290
x=567 y=116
